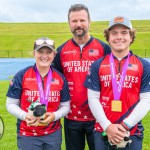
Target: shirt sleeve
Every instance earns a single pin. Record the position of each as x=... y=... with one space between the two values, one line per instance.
x=57 y=62
x=92 y=79
x=62 y=111
x=145 y=87
x=15 y=87
x=65 y=96
x=97 y=109
x=139 y=112
x=12 y=106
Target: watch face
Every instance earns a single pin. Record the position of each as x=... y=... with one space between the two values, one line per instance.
x=1 y=127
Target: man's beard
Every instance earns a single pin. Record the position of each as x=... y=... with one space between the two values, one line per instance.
x=79 y=34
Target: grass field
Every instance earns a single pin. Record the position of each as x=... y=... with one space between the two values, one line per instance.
x=20 y=36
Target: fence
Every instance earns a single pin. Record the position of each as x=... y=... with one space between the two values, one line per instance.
x=28 y=54
x=15 y=54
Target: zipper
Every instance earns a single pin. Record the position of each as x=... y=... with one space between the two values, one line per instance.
x=119 y=66
x=81 y=53
x=43 y=82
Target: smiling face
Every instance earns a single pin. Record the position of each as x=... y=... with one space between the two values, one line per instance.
x=44 y=57
x=79 y=23
x=119 y=39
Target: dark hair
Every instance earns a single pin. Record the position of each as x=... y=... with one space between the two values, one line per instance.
x=78 y=7
x=131 y=31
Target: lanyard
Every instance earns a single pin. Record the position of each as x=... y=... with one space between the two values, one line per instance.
x=44 y=96
x=117 y=88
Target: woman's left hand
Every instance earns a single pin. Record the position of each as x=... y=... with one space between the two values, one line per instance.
x=49 y=117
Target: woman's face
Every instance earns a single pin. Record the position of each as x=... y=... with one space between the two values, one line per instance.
x=44 y=57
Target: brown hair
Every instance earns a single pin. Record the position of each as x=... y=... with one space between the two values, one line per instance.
x=131 y=31
x=78 y=7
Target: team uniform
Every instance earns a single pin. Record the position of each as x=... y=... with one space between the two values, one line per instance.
x=74 y=63
x=136 y=81
x=24 y=87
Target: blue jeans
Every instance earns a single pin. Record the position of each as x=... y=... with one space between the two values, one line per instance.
x=76 y=132
x=101 y=144
x=48 y=142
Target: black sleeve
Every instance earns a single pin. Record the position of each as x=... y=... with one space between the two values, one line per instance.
x=57 y=62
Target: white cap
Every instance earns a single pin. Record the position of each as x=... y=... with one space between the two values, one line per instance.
x=120 y=20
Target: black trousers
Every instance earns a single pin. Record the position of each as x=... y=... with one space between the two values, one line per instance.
x=76 y=134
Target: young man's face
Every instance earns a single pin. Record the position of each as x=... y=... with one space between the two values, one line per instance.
x=119 y=38
x=79 y=23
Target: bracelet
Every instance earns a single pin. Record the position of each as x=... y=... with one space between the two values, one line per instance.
x=126 y=126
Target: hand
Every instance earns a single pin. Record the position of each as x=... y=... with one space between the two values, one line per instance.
x=31 y=120
x=115 y=133
x=49 y=117
x=125 y=142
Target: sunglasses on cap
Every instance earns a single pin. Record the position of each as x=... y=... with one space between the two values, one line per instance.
x=44 y=43
x=40 y=42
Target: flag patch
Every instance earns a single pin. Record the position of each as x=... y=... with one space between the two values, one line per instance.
x=93 y=52
x=54 y=81
x=133 y=67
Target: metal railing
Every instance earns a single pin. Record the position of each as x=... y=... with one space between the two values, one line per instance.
x=28 y=54
x=16 y=54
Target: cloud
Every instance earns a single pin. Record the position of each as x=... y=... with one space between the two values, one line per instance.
x=30 y=11
x=56 y=11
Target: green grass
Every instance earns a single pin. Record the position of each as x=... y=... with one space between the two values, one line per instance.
x=8 y=140
x=18 y=38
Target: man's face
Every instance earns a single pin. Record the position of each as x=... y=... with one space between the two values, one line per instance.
x=79 y=23
x=119 y=38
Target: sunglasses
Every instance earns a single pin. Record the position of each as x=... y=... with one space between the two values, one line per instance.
x=40 y=42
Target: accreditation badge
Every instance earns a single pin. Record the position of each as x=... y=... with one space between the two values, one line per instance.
x=116 y=105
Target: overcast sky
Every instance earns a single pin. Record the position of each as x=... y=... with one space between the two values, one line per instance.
x=56 y=10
